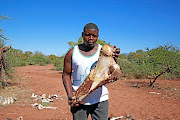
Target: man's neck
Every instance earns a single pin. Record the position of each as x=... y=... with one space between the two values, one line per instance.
x=85 y=48
x=88 y=51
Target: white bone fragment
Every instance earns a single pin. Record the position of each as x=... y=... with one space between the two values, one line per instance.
x=34 y=105
x=15 y=99
x=11 y=100
x=43 y=96
x=37 y=98
x=44 y=100
x=5 y=101
x=34 y=96
x=40 y=107
x=8 y=100
x=55 y=96
x=49 y=107
x=50 y=100
x=49 y=96
x=115 y=118
x=20 y=118
x=154 y=93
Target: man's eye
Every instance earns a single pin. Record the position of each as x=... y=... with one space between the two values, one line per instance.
x=87 y=34
x=90 y=35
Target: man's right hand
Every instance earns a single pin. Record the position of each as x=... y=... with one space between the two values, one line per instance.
x=72 y=101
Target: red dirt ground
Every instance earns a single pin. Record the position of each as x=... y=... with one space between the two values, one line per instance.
x=126 y=97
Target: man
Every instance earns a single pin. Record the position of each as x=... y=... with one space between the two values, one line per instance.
x=80 y=59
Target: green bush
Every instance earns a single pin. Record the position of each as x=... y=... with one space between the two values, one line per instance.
x=141 y=64
x=41 y=60
x=58 y=63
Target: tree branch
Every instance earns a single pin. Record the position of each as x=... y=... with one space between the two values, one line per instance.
x=151 y=83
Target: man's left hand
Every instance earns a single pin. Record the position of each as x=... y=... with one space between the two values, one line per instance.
x=116 y=53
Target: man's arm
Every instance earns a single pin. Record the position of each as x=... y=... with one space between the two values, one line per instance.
x=66 y=77
x=67 y=71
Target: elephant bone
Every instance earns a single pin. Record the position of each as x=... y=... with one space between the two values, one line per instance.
x=105 y=71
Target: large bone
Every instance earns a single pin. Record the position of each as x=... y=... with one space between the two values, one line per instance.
x=105 y=71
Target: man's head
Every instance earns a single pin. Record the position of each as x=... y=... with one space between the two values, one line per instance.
x=91 y=26
x=90 y=34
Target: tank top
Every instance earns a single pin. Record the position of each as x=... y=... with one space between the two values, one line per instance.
x=82 y=65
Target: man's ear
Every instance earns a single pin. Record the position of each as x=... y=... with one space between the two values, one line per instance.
x=82 y=34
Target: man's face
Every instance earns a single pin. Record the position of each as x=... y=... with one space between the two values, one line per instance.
x=90 y=37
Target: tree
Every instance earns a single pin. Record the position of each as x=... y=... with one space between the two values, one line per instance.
x=152 y=62
x=162 y=57
x=80 y=41
x=2 y=36
x=102 y=42
x=28 y=53
x=72 y=44
x=5 y=63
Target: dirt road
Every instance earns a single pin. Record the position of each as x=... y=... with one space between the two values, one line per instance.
x=141 y=102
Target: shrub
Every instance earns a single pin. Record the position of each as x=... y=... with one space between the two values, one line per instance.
x=41 y=60
x=58 y=63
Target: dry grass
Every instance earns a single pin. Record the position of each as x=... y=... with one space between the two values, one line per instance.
x=16 y=89
x=169 y=90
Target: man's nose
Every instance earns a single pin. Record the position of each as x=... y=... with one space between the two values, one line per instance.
x=90 y=37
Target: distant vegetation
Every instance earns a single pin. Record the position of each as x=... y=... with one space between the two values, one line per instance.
x=139 y=64
x=150 y=63
x=18 y=58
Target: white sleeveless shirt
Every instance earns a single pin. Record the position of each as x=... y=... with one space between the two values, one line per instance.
x=82 y=65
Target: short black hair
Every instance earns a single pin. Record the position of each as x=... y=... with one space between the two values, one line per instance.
x=91 y=26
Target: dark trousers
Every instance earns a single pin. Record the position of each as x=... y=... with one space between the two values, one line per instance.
x=98 y=111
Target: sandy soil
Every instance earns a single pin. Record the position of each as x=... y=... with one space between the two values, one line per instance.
x=126 y=97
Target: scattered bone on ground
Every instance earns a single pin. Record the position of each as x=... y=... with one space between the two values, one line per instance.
x=44 y=101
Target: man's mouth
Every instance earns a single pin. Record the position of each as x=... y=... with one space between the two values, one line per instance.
x=90 y=42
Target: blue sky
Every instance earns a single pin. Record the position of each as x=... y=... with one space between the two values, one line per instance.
x=48 y=25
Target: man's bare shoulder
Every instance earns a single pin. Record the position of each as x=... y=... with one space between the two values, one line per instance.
x=69 y=54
